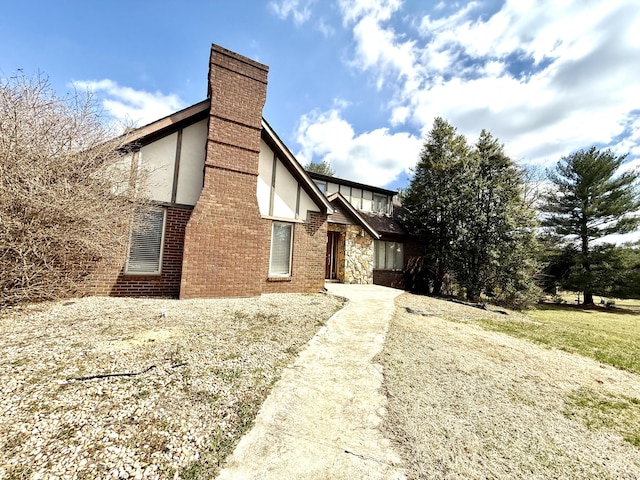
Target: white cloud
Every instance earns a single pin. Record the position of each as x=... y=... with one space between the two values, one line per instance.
x=299 y=10
x=129 y=105
x=379 y=10
x=377 y=47
x=545 y=77
x=325 y=28
x=374 y=158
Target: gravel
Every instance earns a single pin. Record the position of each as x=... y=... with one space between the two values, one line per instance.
x=102 y=387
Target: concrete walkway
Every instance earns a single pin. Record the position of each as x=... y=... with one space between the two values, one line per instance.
x=322 y=418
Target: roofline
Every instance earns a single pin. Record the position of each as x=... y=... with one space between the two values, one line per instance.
x=350 y=183
x=363 y=222
x=308 y=184
x=166 y=122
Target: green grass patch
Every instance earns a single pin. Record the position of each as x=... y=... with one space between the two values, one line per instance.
x=596 y=410
x=609 y=336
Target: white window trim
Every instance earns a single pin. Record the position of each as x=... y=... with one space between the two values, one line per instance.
x=159 y=271
x=288 y=274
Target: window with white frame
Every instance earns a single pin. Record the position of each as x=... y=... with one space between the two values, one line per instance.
x=379 y=203
x=146 y=242
x=388 y=255
x=281 y=243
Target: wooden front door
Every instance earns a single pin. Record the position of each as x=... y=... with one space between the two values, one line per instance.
x=332 y=256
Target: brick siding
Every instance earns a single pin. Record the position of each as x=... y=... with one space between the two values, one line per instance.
x=110 y=279
x=308 y=267
x=220 y=248
x=389 y=278
x=227 y=242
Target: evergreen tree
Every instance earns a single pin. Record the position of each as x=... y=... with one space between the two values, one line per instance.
x=467 y=208
x=323 y=168
x=495 y=250
x=590 y=200
x=434 y=202
x=624 y=266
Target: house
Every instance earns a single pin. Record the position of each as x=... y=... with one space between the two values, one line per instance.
x=235 y=213
x=366 y=238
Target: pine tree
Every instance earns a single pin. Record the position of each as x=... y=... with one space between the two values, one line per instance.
x=590 y=200
x=323 y=168
x=495 y=251
x=467 y=207
x=433 y=199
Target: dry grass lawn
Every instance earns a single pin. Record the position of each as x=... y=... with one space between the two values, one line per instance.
x=204 y=367
x=469 y=403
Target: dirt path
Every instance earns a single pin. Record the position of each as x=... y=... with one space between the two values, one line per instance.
x=322 y=418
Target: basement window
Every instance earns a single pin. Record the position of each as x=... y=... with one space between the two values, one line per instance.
x=281 y=248
x=146 y=242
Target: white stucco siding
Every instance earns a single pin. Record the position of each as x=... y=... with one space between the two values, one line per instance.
x=157 y=161
x=192 y=157
x=120 y=174
x=332 y=188
x=356 y=197
x=265 y=173
x=286 y=193
x=367 y=204
x=306 y=205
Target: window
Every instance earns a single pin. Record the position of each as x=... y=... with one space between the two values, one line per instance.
x=280 y=262
x=322 y=186
x=388 y=255
x=379 y=203
x=146 y=242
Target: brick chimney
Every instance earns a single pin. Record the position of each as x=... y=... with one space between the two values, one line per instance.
x=226 y=244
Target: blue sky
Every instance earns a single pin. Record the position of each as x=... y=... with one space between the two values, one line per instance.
x=359 y=82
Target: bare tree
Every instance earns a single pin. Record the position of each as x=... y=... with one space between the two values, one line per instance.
x=66 y=193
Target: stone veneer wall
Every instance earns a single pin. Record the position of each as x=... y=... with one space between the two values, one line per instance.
x=358 y=247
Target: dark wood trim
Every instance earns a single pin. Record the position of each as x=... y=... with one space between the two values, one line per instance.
x=176 y=167
x=272 y=193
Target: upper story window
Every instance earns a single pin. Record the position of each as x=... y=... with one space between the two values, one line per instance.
x=321 y=185
x=380 y=203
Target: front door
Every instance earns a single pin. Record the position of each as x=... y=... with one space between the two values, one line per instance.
x=332 y=255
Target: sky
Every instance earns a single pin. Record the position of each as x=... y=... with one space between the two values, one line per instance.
x=358 y=82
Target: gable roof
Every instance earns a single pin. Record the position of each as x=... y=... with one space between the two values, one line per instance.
x=362 y=221
x=200 y=111
x=166 y=125
x=387 y=224
x=299 y=173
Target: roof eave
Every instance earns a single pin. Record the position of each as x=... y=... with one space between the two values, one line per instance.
x=342 y=181
x=363 y=222
x=167 y=122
